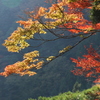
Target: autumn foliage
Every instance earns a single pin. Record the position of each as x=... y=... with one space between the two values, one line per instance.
x=89 y=65
x=23 y=67
x=66 y=16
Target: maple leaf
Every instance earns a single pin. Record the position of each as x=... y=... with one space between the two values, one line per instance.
x=89 y=65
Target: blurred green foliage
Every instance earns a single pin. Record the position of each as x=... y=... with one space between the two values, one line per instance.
x=89 y=94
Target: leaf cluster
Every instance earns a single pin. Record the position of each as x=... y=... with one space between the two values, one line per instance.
x=95 y=12
x=89 y=94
